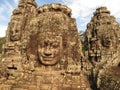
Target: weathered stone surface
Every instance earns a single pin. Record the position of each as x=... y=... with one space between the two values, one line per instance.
x=43 y=50
x=102 y=43
x=110 y=79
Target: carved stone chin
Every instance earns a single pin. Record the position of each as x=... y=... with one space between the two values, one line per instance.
x=49 y=51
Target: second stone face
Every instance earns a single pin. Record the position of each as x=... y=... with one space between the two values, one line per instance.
x=101 y=31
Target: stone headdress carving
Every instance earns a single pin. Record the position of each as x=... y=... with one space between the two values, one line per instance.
x=55 y=25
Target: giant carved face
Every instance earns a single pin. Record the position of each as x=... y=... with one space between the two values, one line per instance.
x=15 y=31
x=49 y=50
x=108 y=41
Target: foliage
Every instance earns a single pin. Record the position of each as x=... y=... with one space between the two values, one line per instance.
x=83 y=48
x=82 y=35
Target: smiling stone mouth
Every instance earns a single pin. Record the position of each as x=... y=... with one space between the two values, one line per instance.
x=48 y=56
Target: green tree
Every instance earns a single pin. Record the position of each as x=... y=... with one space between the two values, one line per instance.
x=82 y=37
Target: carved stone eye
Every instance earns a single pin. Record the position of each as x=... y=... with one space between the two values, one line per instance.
x=11 y=32
x=16 y=31
x=45 y=43
x=55 y=45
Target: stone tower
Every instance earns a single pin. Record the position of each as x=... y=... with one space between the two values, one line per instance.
x=42 y=50
x=102 y=42
x=102 y=35
x=17 y=33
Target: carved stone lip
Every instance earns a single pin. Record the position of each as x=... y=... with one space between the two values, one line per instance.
x=51 y=56
x=48 y=59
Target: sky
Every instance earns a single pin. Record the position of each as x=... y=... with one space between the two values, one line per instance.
x=82 y=10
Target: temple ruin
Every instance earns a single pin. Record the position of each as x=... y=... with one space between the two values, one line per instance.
x=43 y=50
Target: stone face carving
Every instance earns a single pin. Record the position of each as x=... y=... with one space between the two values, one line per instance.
x=107 y=41
x=15 y=31
x=50 y=39
x=49 y=50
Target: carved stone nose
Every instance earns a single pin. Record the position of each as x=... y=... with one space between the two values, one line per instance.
x=13 y=34
x=47 y=52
